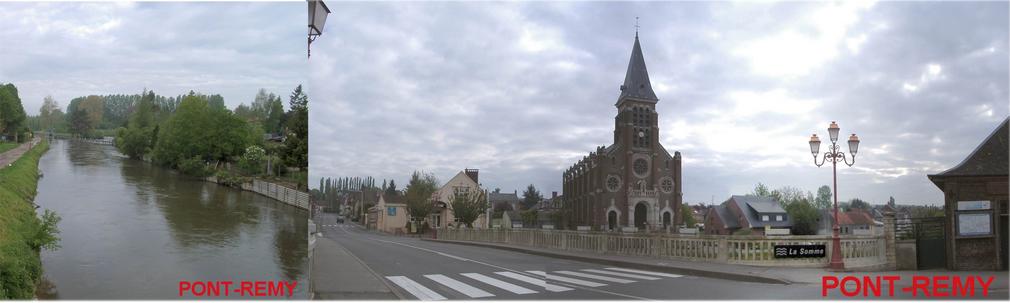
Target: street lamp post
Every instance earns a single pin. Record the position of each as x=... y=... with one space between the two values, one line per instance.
x=834 y=155
x=317 y=19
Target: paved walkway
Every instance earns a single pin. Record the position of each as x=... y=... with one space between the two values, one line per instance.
x=339 y=275
x=748 y=273
x=14 y=154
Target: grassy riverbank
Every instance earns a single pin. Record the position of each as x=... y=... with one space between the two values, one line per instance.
x=22 y=232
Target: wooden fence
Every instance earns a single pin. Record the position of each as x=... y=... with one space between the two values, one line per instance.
x=280 y=193
x=857 y=251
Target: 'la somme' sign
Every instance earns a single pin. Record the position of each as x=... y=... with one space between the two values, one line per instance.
x=800 y=251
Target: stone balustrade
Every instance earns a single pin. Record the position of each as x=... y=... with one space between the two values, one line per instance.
x=642 y=193
x=858 y=251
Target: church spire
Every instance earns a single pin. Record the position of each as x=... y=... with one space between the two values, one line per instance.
x=636 y=82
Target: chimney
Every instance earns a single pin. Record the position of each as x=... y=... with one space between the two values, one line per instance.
x=472 y=173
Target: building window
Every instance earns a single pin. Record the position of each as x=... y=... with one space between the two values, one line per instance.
x=778 y=218
x=613 y=183
x=666 y=184
x=641 y=167
x=764 y=218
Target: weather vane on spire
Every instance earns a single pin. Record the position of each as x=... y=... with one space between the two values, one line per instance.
x=636 y=27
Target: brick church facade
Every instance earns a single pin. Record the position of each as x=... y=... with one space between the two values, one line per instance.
x=634 y=182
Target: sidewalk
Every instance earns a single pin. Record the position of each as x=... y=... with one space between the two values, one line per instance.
x=8 y=157
x=746 y=273
x=336 y=274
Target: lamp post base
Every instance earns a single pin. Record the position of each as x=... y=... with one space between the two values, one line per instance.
x=836 y=263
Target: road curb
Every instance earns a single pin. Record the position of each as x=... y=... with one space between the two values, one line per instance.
x=628 y=264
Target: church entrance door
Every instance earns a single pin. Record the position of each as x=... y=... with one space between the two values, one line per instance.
x=611 y=220
x=641 y=211
x=666 y=219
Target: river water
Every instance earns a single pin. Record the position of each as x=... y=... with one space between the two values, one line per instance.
x=133 y=230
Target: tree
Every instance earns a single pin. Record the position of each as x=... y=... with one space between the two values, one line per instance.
x=761 y=190
x=531 y=196
x=788 y=194
x=12 y=112
x=48 y=112
x=80 y=124
x=296 y=145
x=94 y=106
x=529 y=217
x=138 y=138
x=391 y=189
x=215 y=102
x=418 y=195
x=857 y=203
x=500 y=208
x=803 y=216
x=823 y=200
x=467 y=206
x=687 y=215
x=197 y=131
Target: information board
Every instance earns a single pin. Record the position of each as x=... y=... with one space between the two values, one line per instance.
x=974 y=224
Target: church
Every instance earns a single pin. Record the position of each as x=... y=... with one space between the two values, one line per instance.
x=633 y=184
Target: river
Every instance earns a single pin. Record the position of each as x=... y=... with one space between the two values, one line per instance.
x=134 y=230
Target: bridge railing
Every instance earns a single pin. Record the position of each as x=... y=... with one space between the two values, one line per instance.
x=857 y=251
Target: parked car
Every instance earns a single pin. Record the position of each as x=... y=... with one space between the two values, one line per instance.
x=340 y=219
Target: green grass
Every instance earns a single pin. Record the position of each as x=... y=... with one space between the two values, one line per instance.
x=5 y=146
x=21 y=230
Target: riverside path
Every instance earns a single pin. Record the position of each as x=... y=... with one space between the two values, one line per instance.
x=8 y=157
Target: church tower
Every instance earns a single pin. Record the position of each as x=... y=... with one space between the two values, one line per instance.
x=634 y=183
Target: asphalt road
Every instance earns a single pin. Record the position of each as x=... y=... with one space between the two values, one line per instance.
x=428 y=270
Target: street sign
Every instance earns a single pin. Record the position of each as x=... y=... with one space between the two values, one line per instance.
x=800 y=251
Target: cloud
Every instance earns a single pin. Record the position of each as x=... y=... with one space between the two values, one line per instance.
x=523 y=90
x=75 y=49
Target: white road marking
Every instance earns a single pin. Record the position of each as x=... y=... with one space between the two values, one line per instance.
x=565 y=279
x=621 y=274
x=418 y=290
x=534 y=281
x=549 y=287
x=428 y=250
x=597 y=277
x=645 y=272
x=516 y=289
x=468 y=290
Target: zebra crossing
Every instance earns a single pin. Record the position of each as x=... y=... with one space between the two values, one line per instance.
x=477 y=285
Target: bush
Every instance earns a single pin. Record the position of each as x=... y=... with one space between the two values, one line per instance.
x=194 y=166
x=229 y=179
x=252 y=161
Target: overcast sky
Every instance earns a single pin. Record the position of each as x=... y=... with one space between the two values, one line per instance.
x=76 y=49
x=523 y=90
